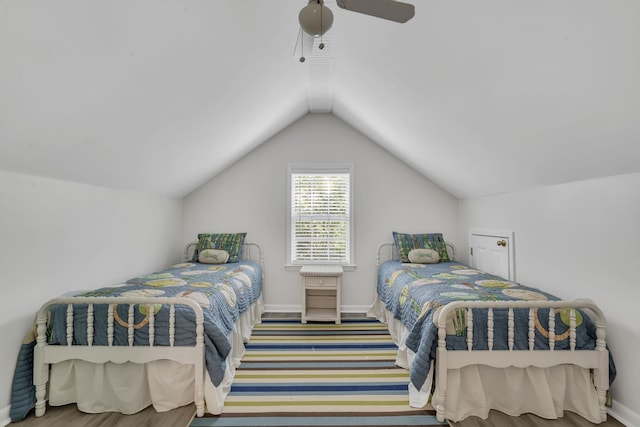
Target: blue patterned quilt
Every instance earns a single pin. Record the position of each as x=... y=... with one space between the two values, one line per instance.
x=224 y=291
x=414 y=292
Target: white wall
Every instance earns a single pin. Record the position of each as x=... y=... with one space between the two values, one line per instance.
x=251 y=196
x=57 y=236
x=579 y=240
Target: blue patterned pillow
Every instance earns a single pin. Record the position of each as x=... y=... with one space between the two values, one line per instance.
x=406 y=242
x=230 y=242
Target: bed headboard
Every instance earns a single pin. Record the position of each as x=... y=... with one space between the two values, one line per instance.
x=387 y=251
x=250 y=251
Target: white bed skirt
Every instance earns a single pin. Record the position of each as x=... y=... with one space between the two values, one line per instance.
x=130 y=387
x=474 y=390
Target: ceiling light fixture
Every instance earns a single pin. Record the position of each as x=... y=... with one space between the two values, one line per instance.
x=315 y=18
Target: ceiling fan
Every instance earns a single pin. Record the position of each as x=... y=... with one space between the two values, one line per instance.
x=316 y=19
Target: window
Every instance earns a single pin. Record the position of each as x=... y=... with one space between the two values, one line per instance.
x=320 y=215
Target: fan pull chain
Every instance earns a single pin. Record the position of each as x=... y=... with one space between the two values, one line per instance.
x=302 y=58
x=321 y=45
x=300 y=39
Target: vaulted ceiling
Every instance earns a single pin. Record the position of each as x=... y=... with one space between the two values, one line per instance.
x=480 y=96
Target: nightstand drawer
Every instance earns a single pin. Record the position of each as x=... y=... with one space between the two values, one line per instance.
x=330 y=281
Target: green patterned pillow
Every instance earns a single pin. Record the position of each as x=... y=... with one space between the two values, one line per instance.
x=230 y=242
x=406 y=242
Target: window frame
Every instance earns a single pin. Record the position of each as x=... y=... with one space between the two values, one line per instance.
x=321 y=169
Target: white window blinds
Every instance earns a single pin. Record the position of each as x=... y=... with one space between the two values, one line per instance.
x=320 y=217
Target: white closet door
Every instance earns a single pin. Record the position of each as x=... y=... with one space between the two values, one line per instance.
x=493 y=253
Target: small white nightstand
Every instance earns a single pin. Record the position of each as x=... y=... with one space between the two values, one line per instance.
x=321 y=292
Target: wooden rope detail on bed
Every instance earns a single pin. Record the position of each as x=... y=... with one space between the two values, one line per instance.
x=490 y=329
x=90 y=329
x=532 y=332
x=69 y=324
x=469 y=329
x=511 y=329
x=572 y=329
x=130 y=326
x=110 y=325
x=172 y=325
x=552 y=330
x=151 y=315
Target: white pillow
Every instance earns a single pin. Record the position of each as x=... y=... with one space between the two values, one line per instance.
x=213 y=256
x=424 y=256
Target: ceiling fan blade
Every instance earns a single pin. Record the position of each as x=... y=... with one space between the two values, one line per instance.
x=385 y=9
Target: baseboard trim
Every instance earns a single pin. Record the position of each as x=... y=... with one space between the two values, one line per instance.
x=293 y=308
x=274 y=308
x=5 y=416
x=355 y=308
x=623 y=414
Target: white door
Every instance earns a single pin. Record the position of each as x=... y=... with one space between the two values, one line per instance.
x=493 y=254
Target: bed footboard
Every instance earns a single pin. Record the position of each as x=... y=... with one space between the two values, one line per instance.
x=596 y=359
x=45 y=354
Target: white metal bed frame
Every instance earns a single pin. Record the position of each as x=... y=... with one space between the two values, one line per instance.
x=596 y=360
x=45 y=354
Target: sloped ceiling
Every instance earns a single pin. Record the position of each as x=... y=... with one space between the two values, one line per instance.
x=480 y=96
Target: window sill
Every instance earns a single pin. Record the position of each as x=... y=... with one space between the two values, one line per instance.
x=297 y=267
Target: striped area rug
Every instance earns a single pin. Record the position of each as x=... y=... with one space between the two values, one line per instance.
x=319 y=374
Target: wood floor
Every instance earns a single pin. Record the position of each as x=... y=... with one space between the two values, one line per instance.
x=70 y=416
x=498 y=419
